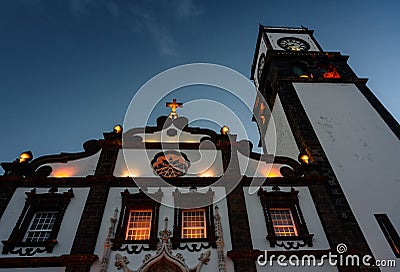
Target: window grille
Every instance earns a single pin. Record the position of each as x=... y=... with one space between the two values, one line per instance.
x=41 y=226
x=283 y=222
x=139 y=225
x=194 y=224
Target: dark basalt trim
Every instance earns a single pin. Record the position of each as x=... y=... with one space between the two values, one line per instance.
x=332 y=206
x=90 y=147
x=164 y=122
x=63 y=260
x=29 y=169
x=89 y=225
x=180 y=181
x=381 y=110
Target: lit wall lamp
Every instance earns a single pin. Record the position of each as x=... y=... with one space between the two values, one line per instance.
x=304 y=158
x=118 y=129
x=225 y=130
x=25 y=156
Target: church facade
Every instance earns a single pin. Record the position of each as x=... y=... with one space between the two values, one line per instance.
x=172 y=197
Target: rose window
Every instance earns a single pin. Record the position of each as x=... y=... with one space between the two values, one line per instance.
x=170 y=164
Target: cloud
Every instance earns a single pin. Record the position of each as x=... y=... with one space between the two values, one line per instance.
x=165 y=41
x=157 y=29
x=156 y=17
x=187 y=8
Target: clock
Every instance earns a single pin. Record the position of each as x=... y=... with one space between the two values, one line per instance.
x=261 y=62
x=293 y=44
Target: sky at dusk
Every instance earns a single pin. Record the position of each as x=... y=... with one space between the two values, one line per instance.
x=69 y=69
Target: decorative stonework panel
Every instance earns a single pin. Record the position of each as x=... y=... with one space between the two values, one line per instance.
x=164 y=259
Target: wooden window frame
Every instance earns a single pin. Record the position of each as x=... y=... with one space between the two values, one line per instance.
x=204 y=221
x=42 y=229
x=193 y=200
x=284 y=200
x=209 y=226
x=51 y=201
x=293 y=225
x=137 y=201
x=137 y=212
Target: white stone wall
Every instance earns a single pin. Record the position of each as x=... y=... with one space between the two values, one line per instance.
x=203 y=162
x=258 y=227
x=363 y=152
x=76 y=168
x=191 y=258
x=277 y=267
x=279 y=137
x=255 y=168
x=69 y=225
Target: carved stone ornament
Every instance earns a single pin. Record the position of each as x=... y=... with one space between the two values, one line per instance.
x=164 y=259
x=170 y=164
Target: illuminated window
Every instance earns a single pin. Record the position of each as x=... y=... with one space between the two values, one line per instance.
x=40 y=221
x=194 y=224
x=41 y=226
x=139 y=225
x=138 y=219
x=329 y=71
x=390 y=233
x=282 y=220
x=283 y=216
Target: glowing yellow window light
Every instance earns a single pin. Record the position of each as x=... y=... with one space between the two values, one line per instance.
x=139 y=225
x=282 y=220
x=194 y=224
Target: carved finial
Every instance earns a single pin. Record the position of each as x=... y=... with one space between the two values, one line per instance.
x=166 y=223
x=121 y=263
x=165 y=234
x=173 y=105
x=205 y=257
x=114 y=217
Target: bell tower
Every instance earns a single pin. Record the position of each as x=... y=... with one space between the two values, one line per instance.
x=322 y=109
x=289 y=55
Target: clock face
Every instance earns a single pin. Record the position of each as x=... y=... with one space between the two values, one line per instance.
x=261 y=62
x=293 y=44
